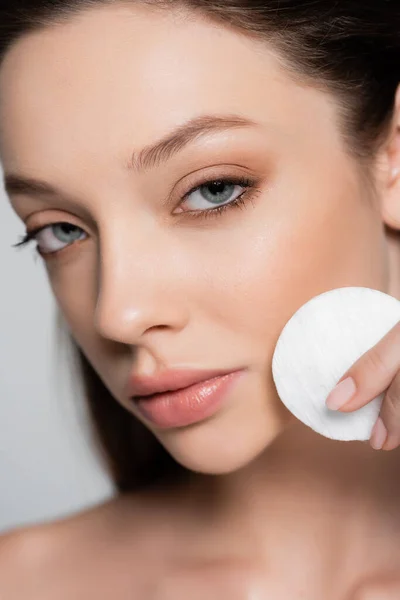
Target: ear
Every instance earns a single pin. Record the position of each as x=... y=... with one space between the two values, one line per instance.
x=391 y=193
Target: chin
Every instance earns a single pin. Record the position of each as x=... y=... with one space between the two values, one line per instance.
x=215 y=448
x=215 y=465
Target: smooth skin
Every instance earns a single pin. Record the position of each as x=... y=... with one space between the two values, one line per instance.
x=273 y=510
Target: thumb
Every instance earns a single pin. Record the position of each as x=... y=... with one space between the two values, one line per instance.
x=369 y=376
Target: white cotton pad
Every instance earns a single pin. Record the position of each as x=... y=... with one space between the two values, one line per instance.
x=322 y=340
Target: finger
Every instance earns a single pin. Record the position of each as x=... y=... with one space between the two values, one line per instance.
x=370 y=375
x=390 y=415
x=378 y=590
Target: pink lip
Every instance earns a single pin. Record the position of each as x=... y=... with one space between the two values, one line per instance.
x=188 y=405
x=169 y=381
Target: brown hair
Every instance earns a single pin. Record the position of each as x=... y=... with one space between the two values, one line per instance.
x=350 y=48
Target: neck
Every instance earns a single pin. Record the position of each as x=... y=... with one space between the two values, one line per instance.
x=304 y=491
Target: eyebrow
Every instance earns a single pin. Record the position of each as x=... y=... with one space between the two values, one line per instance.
x=149 y=157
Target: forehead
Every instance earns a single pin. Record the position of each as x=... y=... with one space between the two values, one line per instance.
x=116 y=77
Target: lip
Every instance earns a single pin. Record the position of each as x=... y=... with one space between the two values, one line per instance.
x=169 y=381
x=184 y=406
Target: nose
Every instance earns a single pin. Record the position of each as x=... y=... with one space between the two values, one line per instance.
x=140 y=289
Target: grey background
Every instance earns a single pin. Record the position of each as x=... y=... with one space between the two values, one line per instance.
x=48 y=465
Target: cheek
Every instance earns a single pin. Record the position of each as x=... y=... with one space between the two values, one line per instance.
x=283 y=257
x=250 y=276
x=77 y=302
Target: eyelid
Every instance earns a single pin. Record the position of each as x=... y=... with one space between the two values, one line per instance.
x=52 y=216
x=223 y=171
x=32 y=232
x=215 y=173
x=36 y=230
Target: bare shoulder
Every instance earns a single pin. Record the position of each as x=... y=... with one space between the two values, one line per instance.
x=35 y=559
x=23 y=551
x=25 y=545
x=33 y=544
x=27 y=552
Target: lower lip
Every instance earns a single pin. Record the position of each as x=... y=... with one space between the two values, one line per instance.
x=188 y=405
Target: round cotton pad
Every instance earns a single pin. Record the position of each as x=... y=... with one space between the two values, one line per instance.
x=322 y=340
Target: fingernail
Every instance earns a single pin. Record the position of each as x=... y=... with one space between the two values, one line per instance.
x=341 y=394
x=378 y=435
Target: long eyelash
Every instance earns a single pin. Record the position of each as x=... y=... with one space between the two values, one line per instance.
x=28 y=237
x=240 y=202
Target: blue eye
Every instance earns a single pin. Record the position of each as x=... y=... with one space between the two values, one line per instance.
x=215 y=196
x=214 y=193
x=212 y=197
x=53 y=238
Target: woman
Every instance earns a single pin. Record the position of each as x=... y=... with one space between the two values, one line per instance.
x=130 y=132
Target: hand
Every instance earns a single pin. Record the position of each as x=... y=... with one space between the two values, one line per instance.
x=378 y=588
x=377 y=371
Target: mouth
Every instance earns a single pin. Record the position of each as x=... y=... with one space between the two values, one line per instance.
x=187 y=405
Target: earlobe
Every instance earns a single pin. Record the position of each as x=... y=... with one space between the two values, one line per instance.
x=395 y=173
x=391 y=200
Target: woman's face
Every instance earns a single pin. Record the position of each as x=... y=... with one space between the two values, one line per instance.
x=149 y=275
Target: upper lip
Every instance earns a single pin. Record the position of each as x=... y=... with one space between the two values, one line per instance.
x=168 y=381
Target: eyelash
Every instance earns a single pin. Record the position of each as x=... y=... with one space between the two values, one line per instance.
x=239 y=202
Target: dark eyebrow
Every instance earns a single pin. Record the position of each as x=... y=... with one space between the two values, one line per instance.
x=152 y=156
x=149 y=157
